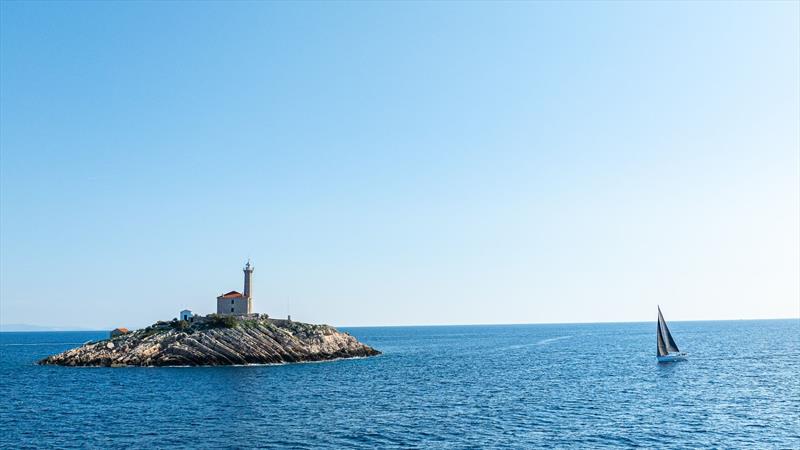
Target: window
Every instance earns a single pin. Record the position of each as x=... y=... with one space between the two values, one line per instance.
x=231 y=301
x=231 y=309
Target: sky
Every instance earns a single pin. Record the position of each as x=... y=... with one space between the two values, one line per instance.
x=394 y=163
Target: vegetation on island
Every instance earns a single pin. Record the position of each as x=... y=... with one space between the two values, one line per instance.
x=220 y=321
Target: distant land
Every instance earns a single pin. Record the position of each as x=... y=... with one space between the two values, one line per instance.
x=28 y=327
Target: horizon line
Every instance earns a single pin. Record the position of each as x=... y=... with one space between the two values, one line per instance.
x=83 y=329
x=561 y=323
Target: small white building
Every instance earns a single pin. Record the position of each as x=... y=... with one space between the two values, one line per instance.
x=186 y=315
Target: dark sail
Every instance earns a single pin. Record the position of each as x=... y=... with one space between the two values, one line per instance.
x=661 y=349
x=664 y=337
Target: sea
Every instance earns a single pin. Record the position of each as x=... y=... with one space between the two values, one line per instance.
x=501 y=386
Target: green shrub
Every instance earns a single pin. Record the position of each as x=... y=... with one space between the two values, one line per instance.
x=218 y=321
x=248 y=323
x=180 y=325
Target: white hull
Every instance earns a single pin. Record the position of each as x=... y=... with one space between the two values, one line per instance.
x=672 y=357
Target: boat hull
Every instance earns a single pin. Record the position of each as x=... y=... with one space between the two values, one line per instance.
x=672 y=357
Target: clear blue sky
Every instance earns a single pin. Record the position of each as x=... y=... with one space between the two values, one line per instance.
x=400 y=163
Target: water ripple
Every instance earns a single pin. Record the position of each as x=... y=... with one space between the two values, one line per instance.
x=539 y=386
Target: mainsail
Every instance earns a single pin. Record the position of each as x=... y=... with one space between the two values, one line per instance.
x=665 y=344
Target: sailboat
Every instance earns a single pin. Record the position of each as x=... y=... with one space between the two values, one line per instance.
x=667 y=350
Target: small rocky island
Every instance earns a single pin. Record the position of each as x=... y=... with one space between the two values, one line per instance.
x=216 y=340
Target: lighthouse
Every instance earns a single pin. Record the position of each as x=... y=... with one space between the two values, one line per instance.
x=234 y=303
x=248 y=281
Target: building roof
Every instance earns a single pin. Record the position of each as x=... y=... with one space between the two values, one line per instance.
x=121 y=330
x=231 y=294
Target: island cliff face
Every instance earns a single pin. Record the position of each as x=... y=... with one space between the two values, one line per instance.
x=217 y=340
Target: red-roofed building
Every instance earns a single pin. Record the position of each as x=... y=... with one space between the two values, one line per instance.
x=238 y=303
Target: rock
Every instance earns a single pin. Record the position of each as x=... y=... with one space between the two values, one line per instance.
x=217 y=340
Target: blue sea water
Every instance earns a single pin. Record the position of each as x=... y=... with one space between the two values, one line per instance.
x=514 y=386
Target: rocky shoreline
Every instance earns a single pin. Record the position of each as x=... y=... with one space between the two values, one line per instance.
x=216 y=341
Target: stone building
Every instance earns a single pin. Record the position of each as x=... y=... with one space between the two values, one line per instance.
x=186 y=315
x=235 y=303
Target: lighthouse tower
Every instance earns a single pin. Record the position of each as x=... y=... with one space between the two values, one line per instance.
x=248 y=280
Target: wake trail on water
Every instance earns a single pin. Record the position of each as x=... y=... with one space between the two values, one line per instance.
x=537 y=343
x=547 y=341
